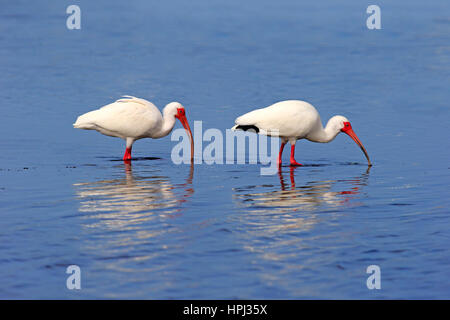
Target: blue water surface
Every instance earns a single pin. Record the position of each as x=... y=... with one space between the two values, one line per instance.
x=155 y=230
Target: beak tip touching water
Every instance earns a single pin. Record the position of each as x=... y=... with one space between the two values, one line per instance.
x=353 y=135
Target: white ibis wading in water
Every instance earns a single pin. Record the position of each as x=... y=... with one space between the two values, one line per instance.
x=132 y=119
x=293 y=120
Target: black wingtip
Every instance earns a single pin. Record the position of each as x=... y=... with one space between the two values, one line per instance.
x=247 y=127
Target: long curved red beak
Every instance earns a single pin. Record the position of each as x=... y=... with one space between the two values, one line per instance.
x=348 y=130
x=185 y=124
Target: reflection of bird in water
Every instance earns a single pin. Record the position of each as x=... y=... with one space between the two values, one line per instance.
x=277 y=220
x=122 y=219
x=133 y=199
x=301 y=198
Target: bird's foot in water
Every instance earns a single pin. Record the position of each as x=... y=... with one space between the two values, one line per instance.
x=127 y=155
x=295 y=163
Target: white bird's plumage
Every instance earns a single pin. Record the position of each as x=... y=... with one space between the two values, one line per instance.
x=129 y=117
x=292 y=120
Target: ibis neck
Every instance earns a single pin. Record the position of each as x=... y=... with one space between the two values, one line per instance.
x=166 y=126
x=324 y=135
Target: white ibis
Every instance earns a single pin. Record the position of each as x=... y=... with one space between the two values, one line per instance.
x=293 y=120
x=132 y=119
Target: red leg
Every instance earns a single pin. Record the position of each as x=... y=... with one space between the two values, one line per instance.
x=127 y=155
x=293 y=162
x=281 y=151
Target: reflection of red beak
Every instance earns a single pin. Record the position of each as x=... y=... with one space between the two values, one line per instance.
x=185 y=124
x=348 y=130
